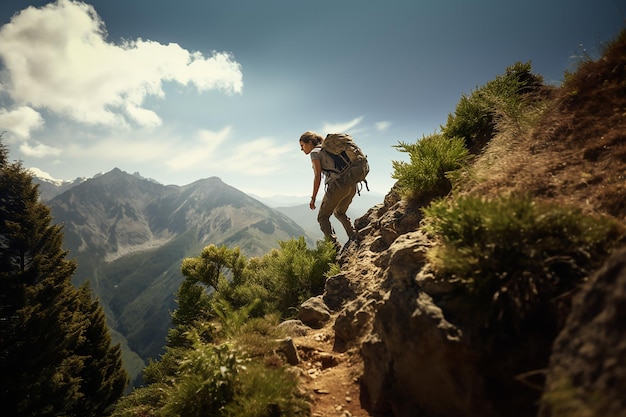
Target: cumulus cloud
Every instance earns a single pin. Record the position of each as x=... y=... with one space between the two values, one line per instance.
x=58 y=58
x=20 y=121
x=39 y=151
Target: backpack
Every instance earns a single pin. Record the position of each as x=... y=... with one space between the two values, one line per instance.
x=350 y=161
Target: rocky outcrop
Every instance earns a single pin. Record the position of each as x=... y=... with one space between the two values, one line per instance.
x=416 y=361
x=414 y=357
x=587 y=373
x=423 y=354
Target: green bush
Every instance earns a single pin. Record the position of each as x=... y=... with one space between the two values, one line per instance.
x=432 y=159
x=293 y=273
x=276 y=282
x=475 y=116
x=264 y=391
x=187 y=382
x=205 y=381
x=513 y=254
x=141 y=402
x=259 y=336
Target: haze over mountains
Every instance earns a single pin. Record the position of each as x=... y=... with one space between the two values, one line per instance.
x=129 y=235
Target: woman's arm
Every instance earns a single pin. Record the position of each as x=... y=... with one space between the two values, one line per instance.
x=317 y=180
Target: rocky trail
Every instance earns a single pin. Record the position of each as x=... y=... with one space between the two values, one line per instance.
x=330 y=377
x=331 y=369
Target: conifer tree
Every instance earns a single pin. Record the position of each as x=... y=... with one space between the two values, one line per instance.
x=52 y=340
x=103 y=378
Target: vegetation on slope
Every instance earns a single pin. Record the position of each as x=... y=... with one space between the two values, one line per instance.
x=508 y=237
x=537 y=209
x=221 y=356
x=516 y=256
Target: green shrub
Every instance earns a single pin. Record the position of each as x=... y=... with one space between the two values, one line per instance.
x=513 y=254
x=259 y=336
x=277 y=282
x=187 y=382
x=293 y=273
x=230 y=319
x=264 y=391
x=219 y=380
x=205 y=382
x=334 y=269
x=212 y=264
x=141 y=402
x=475 y=116
x=431 y=160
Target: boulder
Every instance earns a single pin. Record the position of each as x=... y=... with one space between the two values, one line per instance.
x=313 y=312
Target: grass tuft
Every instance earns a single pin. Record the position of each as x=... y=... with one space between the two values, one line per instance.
x=432 y=159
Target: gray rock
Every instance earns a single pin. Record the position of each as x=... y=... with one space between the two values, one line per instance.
x=288 y=348
x=314 y=312
x=294 y=328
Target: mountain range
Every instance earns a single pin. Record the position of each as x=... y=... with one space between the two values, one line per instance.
x=130 y=234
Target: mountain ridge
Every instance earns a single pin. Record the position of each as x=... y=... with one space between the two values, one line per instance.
x=130 y=234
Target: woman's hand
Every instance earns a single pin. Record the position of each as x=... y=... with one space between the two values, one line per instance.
x=317 y=180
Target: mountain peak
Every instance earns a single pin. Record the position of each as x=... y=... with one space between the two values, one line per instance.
x=136 y=174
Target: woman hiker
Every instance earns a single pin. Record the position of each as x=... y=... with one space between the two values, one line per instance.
x=337 y=198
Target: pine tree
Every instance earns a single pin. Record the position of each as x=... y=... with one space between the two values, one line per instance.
x=103 y=377
x=51 y=338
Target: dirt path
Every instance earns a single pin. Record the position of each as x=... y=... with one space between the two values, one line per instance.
x=330 y=377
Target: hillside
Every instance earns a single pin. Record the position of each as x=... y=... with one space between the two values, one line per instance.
x=397 y=343
x=129 y=236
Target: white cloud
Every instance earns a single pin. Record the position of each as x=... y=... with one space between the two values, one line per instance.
x=119 y=149
x=20 y=121
x=382 y=126
x=341 y=127
x=214 y=151
x=39 y=151
x=58 y=58
x=199 y=154
x=259 y=157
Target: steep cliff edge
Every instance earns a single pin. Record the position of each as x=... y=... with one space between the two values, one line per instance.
x=409 y=340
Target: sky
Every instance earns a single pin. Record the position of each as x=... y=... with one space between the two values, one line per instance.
x=180 y=91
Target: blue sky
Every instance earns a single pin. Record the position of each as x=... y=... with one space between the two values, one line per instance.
x=184 y=90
